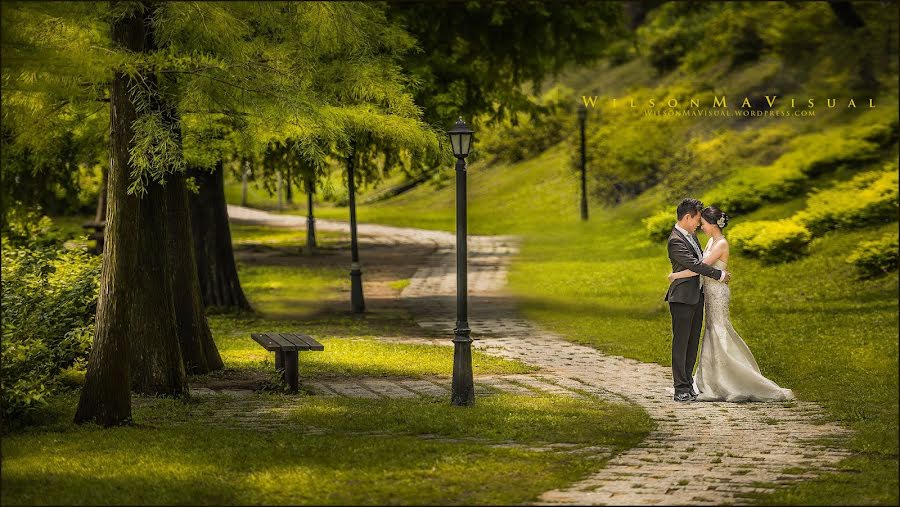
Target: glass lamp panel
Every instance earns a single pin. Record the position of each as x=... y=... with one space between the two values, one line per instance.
x=466 y=142
x=455 y=143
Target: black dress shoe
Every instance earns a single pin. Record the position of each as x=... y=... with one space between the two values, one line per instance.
x=683 y=397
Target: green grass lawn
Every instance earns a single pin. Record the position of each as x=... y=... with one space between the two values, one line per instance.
x=351 y=348
x=812 y=325
x=336 y=451
x=173 y=456
x=501 y=198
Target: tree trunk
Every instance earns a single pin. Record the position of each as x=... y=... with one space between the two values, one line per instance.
x=106 y=396
x=846 y=14
x=135 y=344
x=156 y=363
x=280 y=188
x=244 y=175
x=101 y=197
x=219 y=283
x=288 y=190
x=198 y=350
x=310 y=223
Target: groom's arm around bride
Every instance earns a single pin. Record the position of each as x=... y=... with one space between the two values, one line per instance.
x=687 y=290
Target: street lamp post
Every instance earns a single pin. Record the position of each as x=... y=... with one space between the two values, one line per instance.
x=582 y=116
x=357 y=303
x=463 y=393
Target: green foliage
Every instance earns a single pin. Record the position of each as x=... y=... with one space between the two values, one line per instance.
x=868 y=199
x=219 y=80
x=29 y=228
x=627 y=157
x=659 y=226
x=475 y=57
x=525 y=135
x=778 y=241
x=49 y=294
x=808 y=156
x=808 y=37
x=671 y=31
x=876 y=257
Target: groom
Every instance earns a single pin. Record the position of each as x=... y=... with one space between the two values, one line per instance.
x=685 y=296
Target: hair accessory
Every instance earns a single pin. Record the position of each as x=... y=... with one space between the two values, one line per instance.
x=721 y=221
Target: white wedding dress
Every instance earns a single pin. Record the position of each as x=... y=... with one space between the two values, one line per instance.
x=727 y=370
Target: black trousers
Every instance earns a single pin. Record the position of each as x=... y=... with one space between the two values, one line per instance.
x=687 y=321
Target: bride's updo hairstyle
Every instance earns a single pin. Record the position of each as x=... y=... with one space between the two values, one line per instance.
x=716 y=216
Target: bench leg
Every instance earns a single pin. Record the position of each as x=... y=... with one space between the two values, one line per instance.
x=291 y=375
x=279 y=359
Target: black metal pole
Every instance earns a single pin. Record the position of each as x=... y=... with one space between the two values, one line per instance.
x=357 y=303
x=584 y=203
x=463 y=384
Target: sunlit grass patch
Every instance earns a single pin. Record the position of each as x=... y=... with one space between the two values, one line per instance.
x=181 y=459
x=346 y=354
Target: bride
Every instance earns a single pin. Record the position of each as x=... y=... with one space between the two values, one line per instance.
x=727 y=371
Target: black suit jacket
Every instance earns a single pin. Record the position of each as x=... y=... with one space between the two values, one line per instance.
x=683 y=256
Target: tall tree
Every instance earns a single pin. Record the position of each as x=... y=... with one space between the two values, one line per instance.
x=176 y=81
x=477 y=57
x=106 y=396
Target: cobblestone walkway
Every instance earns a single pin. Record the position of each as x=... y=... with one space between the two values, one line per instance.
x=700 y=453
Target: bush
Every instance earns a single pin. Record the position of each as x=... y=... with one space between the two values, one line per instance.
x=49 y=296
x=877 y=257
x=627 y=158
x=782 y=240
x=29 y=228
x=659 y=226
x=809 y=156
x=867 y=199
x=671 y=31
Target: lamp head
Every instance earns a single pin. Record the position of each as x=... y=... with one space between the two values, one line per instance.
x=460 y=139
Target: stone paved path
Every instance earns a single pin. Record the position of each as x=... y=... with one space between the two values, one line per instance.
x=700 y=453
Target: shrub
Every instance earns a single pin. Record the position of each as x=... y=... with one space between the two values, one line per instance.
x=810 y=155
x=877 y=257
x=49 y=297
x=671 y=31
x=780 y=240
x=627 y=158
x=659 y=226
x=867 y=199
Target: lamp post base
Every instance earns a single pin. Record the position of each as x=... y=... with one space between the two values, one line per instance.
x=463 y=383
x=357 y=302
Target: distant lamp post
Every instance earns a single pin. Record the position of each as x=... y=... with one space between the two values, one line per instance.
x=582 y=117
x=463 y=384
x=357 y=303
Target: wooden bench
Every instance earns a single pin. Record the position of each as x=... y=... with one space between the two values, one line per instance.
x=286 y=347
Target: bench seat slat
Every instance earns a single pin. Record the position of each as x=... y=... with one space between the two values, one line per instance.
x=292 y=338
x=313 y=344
x=284 y=344
x=266 y=342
